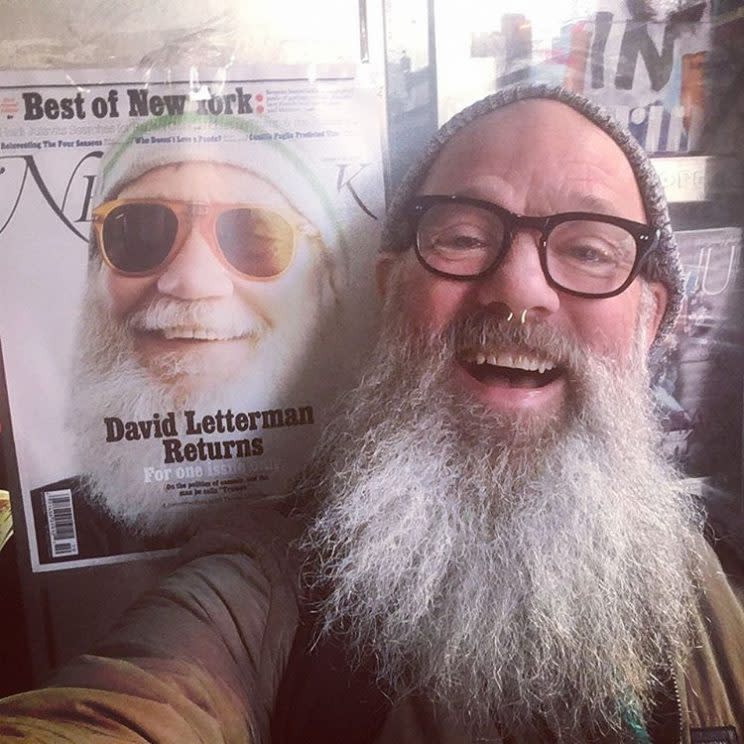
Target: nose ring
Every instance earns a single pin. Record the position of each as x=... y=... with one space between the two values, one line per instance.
x=522 y=316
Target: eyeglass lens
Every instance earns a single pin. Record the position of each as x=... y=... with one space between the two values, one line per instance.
x=465 y=240
x=256 y=242
x=139 y=237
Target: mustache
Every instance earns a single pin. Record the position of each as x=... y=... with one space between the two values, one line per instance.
x=487 y=331
x=224 y=319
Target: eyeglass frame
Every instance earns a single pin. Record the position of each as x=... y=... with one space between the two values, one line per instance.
x=646 y=237
x=204 y=212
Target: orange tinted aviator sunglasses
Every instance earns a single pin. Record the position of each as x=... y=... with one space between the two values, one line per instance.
x=139 y=237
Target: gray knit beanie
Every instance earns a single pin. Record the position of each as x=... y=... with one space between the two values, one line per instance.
x=663 y=264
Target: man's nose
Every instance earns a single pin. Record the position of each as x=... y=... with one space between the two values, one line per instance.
x=519 y=281
x=196 y=272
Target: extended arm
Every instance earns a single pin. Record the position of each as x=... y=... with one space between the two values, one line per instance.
x=199 y=660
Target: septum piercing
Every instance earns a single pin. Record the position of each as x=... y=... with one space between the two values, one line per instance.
x=522 y=316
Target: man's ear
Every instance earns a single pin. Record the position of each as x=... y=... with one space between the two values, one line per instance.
x=660 y=298
x=384 y=270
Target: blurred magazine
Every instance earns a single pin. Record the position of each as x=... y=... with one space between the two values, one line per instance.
x=699 y=389
x=6 y=519
x=644 y=62
x=185 y=271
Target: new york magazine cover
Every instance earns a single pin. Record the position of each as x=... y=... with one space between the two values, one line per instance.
x=185 y=271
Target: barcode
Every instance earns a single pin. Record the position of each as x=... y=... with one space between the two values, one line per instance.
x=61 y=522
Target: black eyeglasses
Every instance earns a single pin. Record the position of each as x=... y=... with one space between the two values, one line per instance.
x=582 y=253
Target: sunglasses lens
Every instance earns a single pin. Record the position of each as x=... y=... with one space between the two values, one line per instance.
x=256 y=242
x=139 y=237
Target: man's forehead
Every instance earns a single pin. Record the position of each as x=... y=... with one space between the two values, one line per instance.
x=532 y=128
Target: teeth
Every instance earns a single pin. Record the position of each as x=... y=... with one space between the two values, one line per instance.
x=513 y=361
x=200 y=334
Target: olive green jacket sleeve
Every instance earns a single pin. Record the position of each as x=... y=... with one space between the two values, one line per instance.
x=711 y=688
x=199 y=660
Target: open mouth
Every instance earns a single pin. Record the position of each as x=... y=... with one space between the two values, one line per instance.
x=196 y=334
x=510 y=369
x=188 y=334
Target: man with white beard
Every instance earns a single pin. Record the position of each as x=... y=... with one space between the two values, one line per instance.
x=496 y=550
x=211 y=274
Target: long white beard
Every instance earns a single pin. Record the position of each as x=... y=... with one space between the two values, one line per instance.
x=533 y=573
x=109 y=381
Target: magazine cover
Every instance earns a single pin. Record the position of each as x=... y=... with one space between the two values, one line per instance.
x=178 y=259
x=700 y=387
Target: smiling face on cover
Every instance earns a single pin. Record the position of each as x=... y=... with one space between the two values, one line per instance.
x=196 y=320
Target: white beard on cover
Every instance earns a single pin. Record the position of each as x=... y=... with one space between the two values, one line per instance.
x=535 y=572
x=109 y=381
